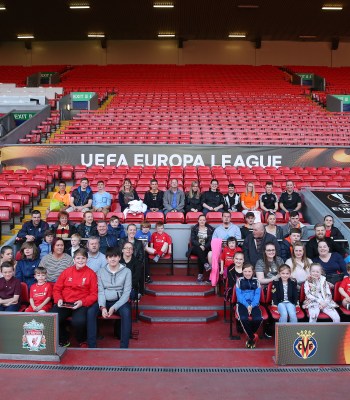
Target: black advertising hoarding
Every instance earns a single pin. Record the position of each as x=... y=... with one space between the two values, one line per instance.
x=337 y=201
x=28 y=156
x=320 y=343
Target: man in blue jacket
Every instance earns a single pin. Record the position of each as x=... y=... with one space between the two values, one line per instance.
x=33 y=231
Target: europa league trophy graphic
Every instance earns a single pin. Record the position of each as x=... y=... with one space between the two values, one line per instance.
x=340 y=197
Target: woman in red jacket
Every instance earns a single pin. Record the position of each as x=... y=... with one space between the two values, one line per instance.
x=74 y=292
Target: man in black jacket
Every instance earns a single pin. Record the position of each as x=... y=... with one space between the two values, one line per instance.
x=320 y=234
x=213 y=200
x=254 y=244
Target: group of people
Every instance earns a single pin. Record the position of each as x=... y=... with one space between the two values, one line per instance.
x=100 y=271
x=174 y=199
x=98 y=267
x=255 y=256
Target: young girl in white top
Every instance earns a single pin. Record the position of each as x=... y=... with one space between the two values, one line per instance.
x=318 y=296
x=299 y=263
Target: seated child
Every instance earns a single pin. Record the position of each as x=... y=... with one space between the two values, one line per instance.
x=160 y=242
x=318 y=296
x=248 y=292
x=75 y=242
x=29 y=261
x=344 y=289
x=10 y=288
x=40 y=292
x=88 y=227
x=116 y=228
x=248 y=226
x=285 y=294
x=144 y=234
x=227 y=254
x=45 y=246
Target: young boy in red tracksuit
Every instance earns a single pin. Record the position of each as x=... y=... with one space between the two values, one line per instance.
x=160 y=242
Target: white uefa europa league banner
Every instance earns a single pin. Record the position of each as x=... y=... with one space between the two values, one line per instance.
x=29 y=156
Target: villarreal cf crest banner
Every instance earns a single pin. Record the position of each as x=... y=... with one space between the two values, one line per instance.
x=319 y=343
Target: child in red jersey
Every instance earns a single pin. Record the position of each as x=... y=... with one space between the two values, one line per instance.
x=40 y=292
x=344 y=289
x=160 y=242
x=227 y=255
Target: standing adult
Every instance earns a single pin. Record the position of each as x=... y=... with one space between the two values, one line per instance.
x=213 y=200
x=174 y=198
x=81 y=198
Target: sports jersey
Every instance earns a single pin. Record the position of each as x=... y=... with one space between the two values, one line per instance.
x=345 y=284
x=228 y=254
x=158 y=240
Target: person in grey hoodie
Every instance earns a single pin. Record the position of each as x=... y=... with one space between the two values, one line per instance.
x=114 y=287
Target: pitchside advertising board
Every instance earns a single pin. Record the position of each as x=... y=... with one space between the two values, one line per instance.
x=173 y=155
x=28 y=335
x=320 y=343
x=337 y=202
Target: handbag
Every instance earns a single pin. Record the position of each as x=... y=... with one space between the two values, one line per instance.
x=334 y=278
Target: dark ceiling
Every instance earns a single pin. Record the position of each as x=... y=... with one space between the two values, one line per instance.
x=189 y=19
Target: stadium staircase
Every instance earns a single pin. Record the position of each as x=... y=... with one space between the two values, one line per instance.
x=179 y=299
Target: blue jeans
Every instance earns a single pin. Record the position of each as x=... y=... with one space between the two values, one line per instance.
x=285 y=309
x=11 y=308
x=125 y=314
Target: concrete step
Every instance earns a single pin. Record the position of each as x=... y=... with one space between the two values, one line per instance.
x=190 y=283
x=193 y=291
x=190 y=317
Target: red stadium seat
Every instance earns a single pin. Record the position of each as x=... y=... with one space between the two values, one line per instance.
x=156 y=216
x=174 y=218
